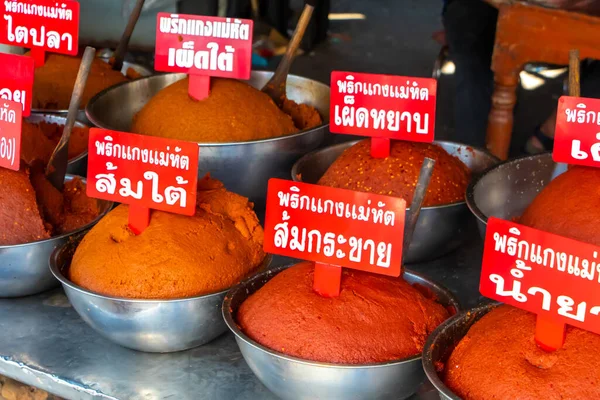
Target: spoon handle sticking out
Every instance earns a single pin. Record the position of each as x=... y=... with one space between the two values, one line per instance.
x=124 y=42
x=417 y=202
x=275 y=88
x=57 y=166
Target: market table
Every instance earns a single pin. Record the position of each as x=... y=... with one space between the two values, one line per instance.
x=45 y=344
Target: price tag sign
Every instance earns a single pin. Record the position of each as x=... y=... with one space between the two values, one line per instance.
x=383 y=106
x=16 y=80
x=10 y=134
x=577 y=134
x=41 y=25
x=335 y=227
x=202 y=47
x=554 y=277
x=143 y=171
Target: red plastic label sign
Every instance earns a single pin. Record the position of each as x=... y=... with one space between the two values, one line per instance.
x=549 y=275
x=394 y=107
x=146 y=171
x=10 y=134
x=577 y=135
x=200 y=45
x=335 y=226
x=43 y=24
x=16 y=80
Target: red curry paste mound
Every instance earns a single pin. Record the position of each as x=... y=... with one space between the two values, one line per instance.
x=499 y=359
x=54 y=81
x=397 y=175
x=374 y=319
x=569 y=206
x=39 y=140
x=32 y=209
x=176 y=255
x=233 y=112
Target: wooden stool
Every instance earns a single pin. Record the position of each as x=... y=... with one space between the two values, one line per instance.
x=527 y=33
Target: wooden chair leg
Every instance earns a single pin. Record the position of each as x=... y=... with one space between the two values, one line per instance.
x=501 y=120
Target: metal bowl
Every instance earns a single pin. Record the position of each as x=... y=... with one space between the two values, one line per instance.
x=150 y=325
x=244 y=167
x=505 y=190
x=24 y=267
x=81 y=116
x=441 y=343
x=140 y=69
x=439 y=229
x=76 y=165
x=294 y=378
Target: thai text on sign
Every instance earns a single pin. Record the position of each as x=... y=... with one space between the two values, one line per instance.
x=41 y=24
x=200 y=45
x=335 y=226
x=16 y=80
x=577 y=134
x=549 y=275
x=394 y=107
x=10 y=134
x=144 y=171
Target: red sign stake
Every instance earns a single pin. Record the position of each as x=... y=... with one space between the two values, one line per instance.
x=39 y=56
x=334 y=228
x=142 y=171
x=549 y=334
x=10 y=134
x=380 y=147
x=327 y=280
x=139 y=218
x=202 y=47
x=577 y=135
x=383 y=106
x=16 y=80
x=45 y=25
x=199 y=86
x=554 y=277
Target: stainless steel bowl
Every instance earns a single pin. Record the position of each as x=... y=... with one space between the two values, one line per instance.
x=441 y=343
x=77 y=165
x=293 y=378
x=140 y=69
x=81 y=116
x=24 y=267
x=505 y=190
x=439 y=229
x=150 y=325
x=244 y=167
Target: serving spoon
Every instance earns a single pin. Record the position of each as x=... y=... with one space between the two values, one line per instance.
x=412 y=216
x=276 y=87
x=57 y=166
x=124 y=42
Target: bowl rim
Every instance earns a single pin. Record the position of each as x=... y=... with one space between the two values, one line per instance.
x=68 y=177
x=58 y=274
x=350 y=143
x=59 y=114
x=240 y=335
x=97 y=123
x=470 y=194
x=431 y=342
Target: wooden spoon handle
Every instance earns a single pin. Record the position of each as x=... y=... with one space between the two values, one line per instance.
x=574 y=86
x=57 y=166
x=284 y=65
x=82 y=77
x=124 y=42
x=417 y=202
